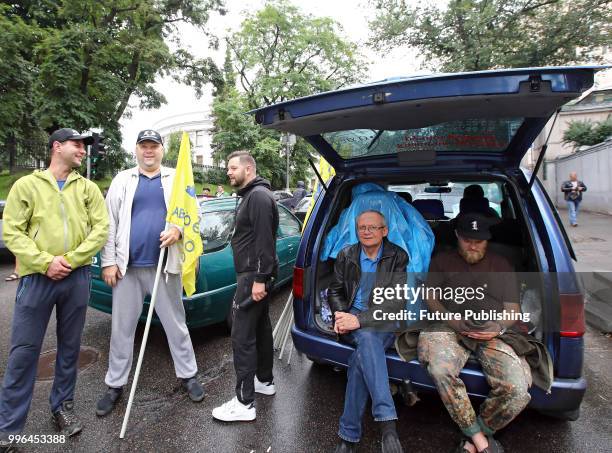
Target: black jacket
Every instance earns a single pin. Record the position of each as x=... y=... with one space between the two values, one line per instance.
x=254 y=239
x=568 y=191
x=390 y=271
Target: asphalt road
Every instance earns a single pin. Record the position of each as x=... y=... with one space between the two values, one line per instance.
x=302 y=417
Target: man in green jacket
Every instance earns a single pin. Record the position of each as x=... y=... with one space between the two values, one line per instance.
x=55 y=221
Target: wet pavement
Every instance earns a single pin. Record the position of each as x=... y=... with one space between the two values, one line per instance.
x=302 y=417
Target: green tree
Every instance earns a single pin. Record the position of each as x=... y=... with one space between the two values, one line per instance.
x=173 y=147
x=588 y=133
x=20 y=136
x=279 y=53
x=78 y=62
x=471 y=35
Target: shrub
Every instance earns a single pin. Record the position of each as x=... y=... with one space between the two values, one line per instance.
x=587 y=133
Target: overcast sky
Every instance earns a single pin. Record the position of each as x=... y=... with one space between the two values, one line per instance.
x=350 y=14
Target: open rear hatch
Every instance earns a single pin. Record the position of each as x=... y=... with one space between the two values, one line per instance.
x=481 y=120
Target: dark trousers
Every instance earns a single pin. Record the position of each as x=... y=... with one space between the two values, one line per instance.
x=251 y=340
x=37 y=295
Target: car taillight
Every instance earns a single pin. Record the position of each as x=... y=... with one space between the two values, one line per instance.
x=298 y=283
x=572 y=315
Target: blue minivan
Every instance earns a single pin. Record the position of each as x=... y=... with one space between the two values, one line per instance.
x=431 y=136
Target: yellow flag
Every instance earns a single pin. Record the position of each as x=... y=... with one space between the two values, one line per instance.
x=326 y=171
x=184 y=212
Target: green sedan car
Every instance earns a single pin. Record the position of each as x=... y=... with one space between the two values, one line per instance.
x=216 y=280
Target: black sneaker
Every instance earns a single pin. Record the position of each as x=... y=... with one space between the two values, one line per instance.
x=66 y=421
x=193 y=388
x=107 y=402
x=345 y=446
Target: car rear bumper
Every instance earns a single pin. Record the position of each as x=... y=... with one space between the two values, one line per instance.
x=565 y=395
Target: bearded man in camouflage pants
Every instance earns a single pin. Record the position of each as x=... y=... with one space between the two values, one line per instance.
x=445 y=347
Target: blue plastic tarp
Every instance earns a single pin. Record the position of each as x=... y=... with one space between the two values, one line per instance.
x=407 y=227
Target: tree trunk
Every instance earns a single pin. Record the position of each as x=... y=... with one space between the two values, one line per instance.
x=11 y=146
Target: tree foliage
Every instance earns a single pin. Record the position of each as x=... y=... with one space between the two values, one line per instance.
x=471 y=35
x=77 y=63
x=279 y=53
x=587 y=133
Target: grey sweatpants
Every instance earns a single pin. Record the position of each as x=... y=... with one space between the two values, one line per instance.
x=128 y=299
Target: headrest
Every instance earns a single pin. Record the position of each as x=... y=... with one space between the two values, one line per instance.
x=430 y=208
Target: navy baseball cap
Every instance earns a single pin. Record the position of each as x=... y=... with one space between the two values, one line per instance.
x=64 y=134
x=474 y=225
x=150 y=135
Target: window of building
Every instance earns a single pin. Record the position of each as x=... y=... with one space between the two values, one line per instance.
x=200 y=138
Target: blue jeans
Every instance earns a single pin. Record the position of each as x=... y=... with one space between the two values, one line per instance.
x=367 y=376
x=572 y=206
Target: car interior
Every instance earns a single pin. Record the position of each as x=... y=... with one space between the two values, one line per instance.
x=439 y=202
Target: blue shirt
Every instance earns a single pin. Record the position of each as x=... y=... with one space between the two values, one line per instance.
x=148 y=221
x=367 y=280
x=60 y=183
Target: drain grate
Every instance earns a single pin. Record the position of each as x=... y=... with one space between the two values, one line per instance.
x=46 y=362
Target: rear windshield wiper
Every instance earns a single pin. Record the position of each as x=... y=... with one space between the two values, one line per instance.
x=375 y=139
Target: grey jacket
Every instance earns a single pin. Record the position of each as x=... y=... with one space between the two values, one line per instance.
x=119 y=205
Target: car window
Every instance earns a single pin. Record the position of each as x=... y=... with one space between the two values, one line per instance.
x=287 y=225
x=303 y=204
x=216 y=229
x=469 y=135
x=452 y=194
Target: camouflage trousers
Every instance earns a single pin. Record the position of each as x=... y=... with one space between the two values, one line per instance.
x=508 y=375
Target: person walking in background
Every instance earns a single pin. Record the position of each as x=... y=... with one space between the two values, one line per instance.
x=572 y=192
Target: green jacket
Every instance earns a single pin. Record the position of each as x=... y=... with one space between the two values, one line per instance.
x=41 y=222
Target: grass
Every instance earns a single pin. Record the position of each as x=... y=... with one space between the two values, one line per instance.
x=7 y=180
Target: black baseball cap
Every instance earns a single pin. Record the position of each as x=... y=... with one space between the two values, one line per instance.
x=64 y=134
x=150 y=135
x=473 y=225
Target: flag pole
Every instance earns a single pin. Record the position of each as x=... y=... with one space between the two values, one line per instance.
x=143 y=345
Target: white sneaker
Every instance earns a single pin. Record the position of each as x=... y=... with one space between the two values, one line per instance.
x=234 y=411
x=263 y=388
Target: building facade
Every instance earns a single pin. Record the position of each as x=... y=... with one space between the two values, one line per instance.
x=199 y=127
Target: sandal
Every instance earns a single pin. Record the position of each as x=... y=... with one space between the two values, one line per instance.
x=461 y=447
x=11 y=278
x=494 y=446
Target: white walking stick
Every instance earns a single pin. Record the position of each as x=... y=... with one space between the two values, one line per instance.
x=144 y=343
